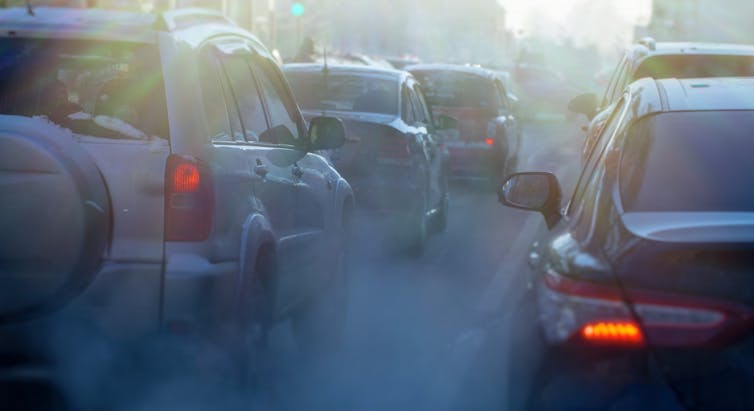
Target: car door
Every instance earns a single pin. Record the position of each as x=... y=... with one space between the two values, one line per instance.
x=303 y=242
x=435 y=155
x=509 y=123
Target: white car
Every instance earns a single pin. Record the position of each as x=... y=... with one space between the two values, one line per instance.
x=156 y=174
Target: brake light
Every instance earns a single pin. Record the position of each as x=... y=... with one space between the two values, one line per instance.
x=189 y=199
x=489 y=141
x=581 y=311
x=613 y=333
x=186 y=178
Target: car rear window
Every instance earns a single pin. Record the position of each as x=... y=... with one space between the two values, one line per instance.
x=59 y=78
x=344 y=92
x=458 y=90
x=689 y=161
x=696 y=66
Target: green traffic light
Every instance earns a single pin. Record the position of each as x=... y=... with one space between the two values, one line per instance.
x=297 y=9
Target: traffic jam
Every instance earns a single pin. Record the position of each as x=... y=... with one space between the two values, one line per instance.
x=423 y=205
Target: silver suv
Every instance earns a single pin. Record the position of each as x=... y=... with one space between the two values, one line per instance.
x=157 y=174
x=649 y=58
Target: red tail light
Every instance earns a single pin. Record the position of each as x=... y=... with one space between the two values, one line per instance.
x=189 y=199
x=489 y=141
x=582 y=311
x=613 y=333
x=186 y=178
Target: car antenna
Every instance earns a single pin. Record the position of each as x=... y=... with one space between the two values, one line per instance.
x=29 y=9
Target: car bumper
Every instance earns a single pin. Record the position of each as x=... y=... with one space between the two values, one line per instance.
x=473 y=160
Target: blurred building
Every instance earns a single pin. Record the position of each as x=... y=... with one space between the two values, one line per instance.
x=702 y=20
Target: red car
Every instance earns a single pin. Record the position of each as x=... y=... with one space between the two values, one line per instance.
x=486 y=142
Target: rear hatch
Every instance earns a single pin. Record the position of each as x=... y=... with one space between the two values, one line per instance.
x=700 y=263
x=377 y=159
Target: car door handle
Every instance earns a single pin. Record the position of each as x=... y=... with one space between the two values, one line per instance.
x=297 y=171
x=261 y=169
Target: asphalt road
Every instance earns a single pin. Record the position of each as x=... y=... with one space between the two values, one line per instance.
x=431 y=333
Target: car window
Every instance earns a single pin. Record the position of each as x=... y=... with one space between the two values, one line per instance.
x=245 y=94
x=282 y=111
x=695 y=66
x=424 y=108
x=689 y=162
x=407 y=108
x=608 y=96
x=121 y=81
x=419 y=115
x=608 y=133
x=214 y=99
x=318 y=91
x=504 y=106
x=453 y=89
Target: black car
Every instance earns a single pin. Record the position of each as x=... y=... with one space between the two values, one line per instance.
x=643 y=288
x=391 y=157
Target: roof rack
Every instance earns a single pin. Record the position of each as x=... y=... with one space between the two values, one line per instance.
x=648 y=42
x=180 y=18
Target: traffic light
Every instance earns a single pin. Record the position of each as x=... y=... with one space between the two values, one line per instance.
x=297 y=9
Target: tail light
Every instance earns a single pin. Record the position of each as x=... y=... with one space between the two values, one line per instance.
x=587 y=313
x=489 y=141
x=189 y=199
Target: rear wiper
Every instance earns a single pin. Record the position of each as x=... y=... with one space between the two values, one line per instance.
x=110 y=124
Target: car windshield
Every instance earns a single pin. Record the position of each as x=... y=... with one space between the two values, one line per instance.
x=696 y=66
x=345 y=92
x=97 y=88
x=689 y=161
x=452 y=89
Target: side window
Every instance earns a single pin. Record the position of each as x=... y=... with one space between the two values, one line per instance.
x=216 y=110
x=407 y=106
x=608 y=97
x=423 y=106
x=281 y=108
x=419 y=115
x=245 y=95
x=607 y=135
x=504 y=106
x=621 y=82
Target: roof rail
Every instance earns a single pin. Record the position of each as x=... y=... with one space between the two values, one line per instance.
x=180 y=18
x=648 y=42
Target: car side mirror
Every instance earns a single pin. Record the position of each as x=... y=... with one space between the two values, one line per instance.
x=326 y=133
x=533 y=191
x=585 y=104
x=445 y=122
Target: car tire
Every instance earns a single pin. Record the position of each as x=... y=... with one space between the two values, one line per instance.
x=440 y=222
x=418 y=233
x=318 y=326
x=256 y=317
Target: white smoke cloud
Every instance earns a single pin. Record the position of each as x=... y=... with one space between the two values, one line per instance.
x=603 y=23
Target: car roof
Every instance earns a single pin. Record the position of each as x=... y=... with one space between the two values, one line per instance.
x=102 y=24
x=354 y=69
x=703 y=94
x=642 y=51
x=77 y=23
x=458 y=68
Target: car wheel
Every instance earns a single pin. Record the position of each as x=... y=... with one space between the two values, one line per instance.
x=418 y=233
x=318 y=326
x=256 y=317
x=440 y=222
